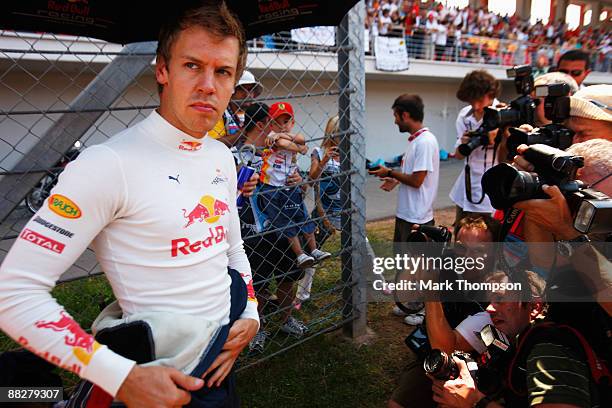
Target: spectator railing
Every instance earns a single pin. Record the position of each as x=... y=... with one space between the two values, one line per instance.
x=488 y=50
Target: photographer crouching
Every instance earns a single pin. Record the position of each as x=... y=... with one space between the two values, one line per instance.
x=452 y=321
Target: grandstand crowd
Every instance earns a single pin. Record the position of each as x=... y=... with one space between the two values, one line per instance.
x=481 y=36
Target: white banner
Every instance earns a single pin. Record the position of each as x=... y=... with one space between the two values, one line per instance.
x=314 y=35
x=391 y=54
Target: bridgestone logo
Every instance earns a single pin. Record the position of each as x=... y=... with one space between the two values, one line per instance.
x=53 y=227
x=42 y=241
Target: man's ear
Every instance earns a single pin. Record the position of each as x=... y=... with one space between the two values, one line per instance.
x=161 y=70
x=405 y=117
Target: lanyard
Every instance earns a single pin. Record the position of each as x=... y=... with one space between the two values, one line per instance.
x=417 y=134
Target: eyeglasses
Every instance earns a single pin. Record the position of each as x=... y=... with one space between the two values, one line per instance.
x=573 y=72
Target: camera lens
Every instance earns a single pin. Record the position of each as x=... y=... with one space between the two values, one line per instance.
x=439 y=365
x=506 y=185
x=417 y=236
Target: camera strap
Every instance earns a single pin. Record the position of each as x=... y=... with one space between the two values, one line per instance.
x=467 y=173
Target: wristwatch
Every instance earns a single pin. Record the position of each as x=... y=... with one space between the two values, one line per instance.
x=567 y=248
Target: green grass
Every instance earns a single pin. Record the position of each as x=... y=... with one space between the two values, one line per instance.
x=327 y=370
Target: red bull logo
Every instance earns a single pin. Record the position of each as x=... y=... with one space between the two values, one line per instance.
x=183 y=246
x=209 y=209
x=249 y=284
x=84 y=345
x=189 y=145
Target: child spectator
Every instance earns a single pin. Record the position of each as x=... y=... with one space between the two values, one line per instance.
x=284 y=206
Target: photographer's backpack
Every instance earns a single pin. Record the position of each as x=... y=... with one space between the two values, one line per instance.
x=550 y=332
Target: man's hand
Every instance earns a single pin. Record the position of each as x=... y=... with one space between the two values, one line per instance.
x=389 y=184
x=381 y=172
x=157 y=387
x=250 y=185
x=460 y=392
x=552 y=214
x=240 y=334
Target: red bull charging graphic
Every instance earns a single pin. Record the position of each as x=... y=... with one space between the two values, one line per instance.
x=209 y=209
x=84 y=346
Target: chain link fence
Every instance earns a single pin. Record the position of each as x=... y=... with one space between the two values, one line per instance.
x=60 y=94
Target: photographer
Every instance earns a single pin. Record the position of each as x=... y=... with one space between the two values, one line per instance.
x=548 y=367
x=591 y=113
x=450 y=324
x=550 y=79
x=551 y=220
x=479 y=89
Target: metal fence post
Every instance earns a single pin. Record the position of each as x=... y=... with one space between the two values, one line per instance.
x=351 y=67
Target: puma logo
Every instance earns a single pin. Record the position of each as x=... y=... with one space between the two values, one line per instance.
x=175 y=178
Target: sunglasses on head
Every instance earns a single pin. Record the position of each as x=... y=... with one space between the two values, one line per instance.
x=573 y=72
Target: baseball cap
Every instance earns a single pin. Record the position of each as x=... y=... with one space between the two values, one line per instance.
x=592 y=102
x=256 y=112
x=248 y=78
x=280 y=108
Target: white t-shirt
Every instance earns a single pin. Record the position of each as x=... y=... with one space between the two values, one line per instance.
x=472 y=325
x=159 y=208
x=441 y=35
x=423 y=154
x=467 y=122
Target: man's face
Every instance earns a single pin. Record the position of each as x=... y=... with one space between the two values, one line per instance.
x=576 y=69
x=479 y=104
x=587 y=129
x=282 y=124
x=509 y=317
x=541 y=119
x=400 y=120
x=475 y=243
x=198 y=81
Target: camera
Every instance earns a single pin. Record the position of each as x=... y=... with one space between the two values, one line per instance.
x=441 y=366
x=520 y=111
x=556 y=109
x=426 y=233
x=556 y=101
x=478 y=137
x=494 y=361
x=553 y=135
x=505 y=186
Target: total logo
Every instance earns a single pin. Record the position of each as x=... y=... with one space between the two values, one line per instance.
x=209 y=209
x=42 y=241
x=190 y=146
x=83 y=345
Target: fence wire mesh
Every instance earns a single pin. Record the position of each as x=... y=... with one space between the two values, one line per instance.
x=60 y=94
